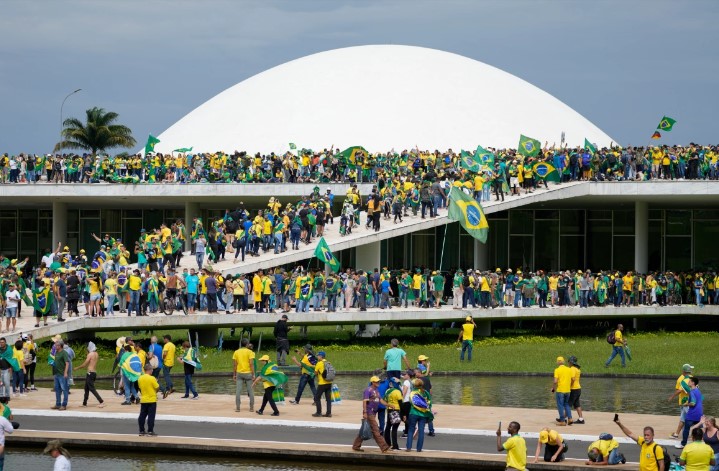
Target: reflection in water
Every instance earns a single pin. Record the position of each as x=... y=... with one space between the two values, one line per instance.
x=467 y=398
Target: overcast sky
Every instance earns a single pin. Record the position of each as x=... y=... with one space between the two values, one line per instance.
x=621 y=64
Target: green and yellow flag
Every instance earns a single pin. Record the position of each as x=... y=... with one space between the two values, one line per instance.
x=666 y=124
x=272 y=374
x=546 y=172
x=528 y=147
x=484 y=156
x=589 y=146
x=293 y=146
x=43 y=299
x=324 y=254
x=150 y=146
x=349 y=155
x=469 y=162
x=181 y=150
x=469 y=213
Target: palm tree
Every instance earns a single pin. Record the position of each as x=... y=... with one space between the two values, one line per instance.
x=98 y=134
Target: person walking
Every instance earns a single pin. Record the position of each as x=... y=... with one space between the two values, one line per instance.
x=681 y=391
x=515 y=446
x=420 y=413
x=393 y=398
x=243 y=372
x=324 y=386
x=281 y=333
x=189 y=370
x=695 y=411
x=618 y=348
x=60 y=369
x=370 y=404
x=268 y=385
x=148 y=386
x=307 y=373
x=561 y=389
x=91 y=364
x=466 y=337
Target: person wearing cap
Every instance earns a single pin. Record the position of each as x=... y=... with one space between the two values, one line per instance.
x=681 y=391
x=371 y=400
x=324 y=387
x=31 y=348
x=423 y=364
x=618 y=348
x=307 y=373
x=269 y=387
x=575 y=390
x=466 y=337
x=91 y=364
x=148 y=386
x=243 y=373
x=561 y=388
x=554 y=446
x=60 y=454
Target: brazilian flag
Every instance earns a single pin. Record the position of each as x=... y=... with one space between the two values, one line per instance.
x=349 y=155
x=484 y=156
x=325 y=255
x=589 y=146
x=666 y=124
x=469 y=162
x=43 y=300
x=528 y=147
x=191 y=358
x=272 y=374
x=183 y=150
x=131 y=366
x=150 y=146
x=546 y=172
x=469 y=213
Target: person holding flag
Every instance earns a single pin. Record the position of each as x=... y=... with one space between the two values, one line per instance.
x=131 y=370
x=271 y=377
x=190 y=362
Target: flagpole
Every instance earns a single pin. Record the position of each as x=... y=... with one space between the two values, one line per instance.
x=444 y=240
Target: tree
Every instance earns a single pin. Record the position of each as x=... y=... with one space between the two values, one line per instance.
x=97 y=134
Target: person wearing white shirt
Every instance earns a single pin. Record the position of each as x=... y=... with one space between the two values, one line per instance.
x=61 y=455
x=5 y=428
x=12 y=298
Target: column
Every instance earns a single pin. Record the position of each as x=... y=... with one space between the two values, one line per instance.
x=59 y=223
x=207 y=336
x=368 y=256
x=192 y=210
x=481 y=256
x=641 y=236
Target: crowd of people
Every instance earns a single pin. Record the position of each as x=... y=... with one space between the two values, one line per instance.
x=692 y=161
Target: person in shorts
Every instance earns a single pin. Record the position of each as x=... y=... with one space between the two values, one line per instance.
x=575 y=389
x=12 y=301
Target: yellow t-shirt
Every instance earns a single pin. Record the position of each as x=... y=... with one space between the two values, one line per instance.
x=627 y=282
x=604 y=446
x=553 y=280
x=135 y=282
x=554 y=438
x=619 y=340
x=165 y=232
x=516 y=452
x=576 y=373
x=142 y=354
x=148 y=386
x=468 y=331
x=319 y=369
x=95 y=286
x=110 y=287
x=243 y=356
x=563 y=375
x=647 y=460
x=19 y=356
x=683 y=396
x=697 y=456
x=394 y=399
x=416 y=281
x=168 y=354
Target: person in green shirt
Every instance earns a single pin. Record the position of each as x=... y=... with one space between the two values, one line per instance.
x=60 y=370
x=438 y=291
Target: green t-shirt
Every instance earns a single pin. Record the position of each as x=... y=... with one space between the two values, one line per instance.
x=438 y=282
x=61 y=359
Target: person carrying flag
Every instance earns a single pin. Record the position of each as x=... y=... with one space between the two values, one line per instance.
x=271 y=377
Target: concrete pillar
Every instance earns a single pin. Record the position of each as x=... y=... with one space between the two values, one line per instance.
x=481 y=256
x=637 y=324
x=641 y=236
x=192 y=210
x=207 y=336
x=368 y=256
x=59 y=223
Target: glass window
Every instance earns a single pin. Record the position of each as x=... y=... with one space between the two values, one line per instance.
x=656 y=214
x=599 y=244
x=451 y=245
x=45 y=229
x=623 y=222
x=73 y=220
x=8 y=213
x=111 y=221
x=89 y=213
x=499 y=215
x=45 y=213
x=423 y=250
x=546 y=214
x=152 y=218
x=520 y=252
x=8 y=236
x=656 y=243
x=132 y=213
x=521 y=221
x=623 y=258
x=498 y=242
x=571 y=253
x=599 y=214
x=678 y=253
x=572 y=221
x=706 y=214
x=546 y=245
x=28 y=220
x=706 y=233
x=678 y=223
x=466 y=252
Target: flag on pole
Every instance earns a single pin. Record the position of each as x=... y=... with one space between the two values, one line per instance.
x=181 y=149
x=546 y=172
x=528 y=147
x=468 y=212
x=666 y=124
x=150 y=146
x=484 y=156
x=589 y=146
x=656 y=135
x=469 y=162
x=293 y=146
x=324 y=254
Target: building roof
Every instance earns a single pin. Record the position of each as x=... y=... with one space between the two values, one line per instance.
x=380 y=97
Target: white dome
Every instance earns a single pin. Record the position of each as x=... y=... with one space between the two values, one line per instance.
x=379 y=97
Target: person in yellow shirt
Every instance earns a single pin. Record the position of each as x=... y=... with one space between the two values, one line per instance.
x=604 y=451
x=243 y=372
x=627 y=282
x=651 y=457
x=561 y=389
x=618 y=348
x=168 y=361
x=466 y=336
x=553 y=283
x=148 y=386
x=257 y=290
x=324 y=387
x=575 y=389
x=515 y=446
x=554 y=446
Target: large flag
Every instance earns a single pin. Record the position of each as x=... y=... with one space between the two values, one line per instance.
x=349 y=155
x=589 y=146
x=325 y=255
x=547 y=172
x=666 y=124
x=131 y=366
x=182 y=150
x=484 y=156
x=528 y=147
x=468 y=212
x=272 y=374
x=191 y=358
x=43 y=300
x=469 y=162
x=150 y=146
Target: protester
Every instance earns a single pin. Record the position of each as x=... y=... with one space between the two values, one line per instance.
x=393 y=400
x=189 y=370
x=60 y=368
x=60 y=454
x=515 y=446
x=466 y=336
x=651 y=457
x=243 y=373
x=5 y=428
x=575 y=390
x=561 y=387
x=695 y=411
x=710 y=437
x=324 y=386
x=91 y=364
x=148 y=386
x=393 y=358
x=268 y=386
x=370 y=404
x=697 y=454
x=618 y=347
x=681 y=391
x=604 y=451
x=307 y=373
x=554 y=446
x=420 y=413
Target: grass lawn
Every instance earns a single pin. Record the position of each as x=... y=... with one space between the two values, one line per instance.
x=511 y=351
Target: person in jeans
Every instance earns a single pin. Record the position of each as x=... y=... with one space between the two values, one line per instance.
x=324 y=387
x=561 y=389
x=307 y=369
x=91 y=364
x=466 y=336
x=168 y=361
x=148 y=401
x=60 y=371
x=200 y=244
x=268 y=386
x=618 y=349
x=243 y=372
x=419 y=414
x=189 y=370
x=370 y=405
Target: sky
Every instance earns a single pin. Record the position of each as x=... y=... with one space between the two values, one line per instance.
x=623 y=65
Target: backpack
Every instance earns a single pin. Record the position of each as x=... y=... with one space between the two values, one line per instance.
x=611 y=339
x=667 y=460
x=27 y=356
x=329 y=372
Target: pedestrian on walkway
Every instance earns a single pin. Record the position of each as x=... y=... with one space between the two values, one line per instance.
x=60 y=368
x=618 y=347
x=420 y=413
x=370 y=404
x=575 y=390
x=681 y=391
x=324 y=386
x=148 y=386
x=561 y=388
x=243 y=372
x=269 y=387
x=515 y=446
x=168 y=361
x=189 y=370
x=466 y=337
x=393 y=399
x=307 y=373
x=91 y=364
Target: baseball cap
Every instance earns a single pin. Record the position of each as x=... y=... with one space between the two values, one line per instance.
x=422 y=357
x=560 y=359
x=468 y=318
x=687 y=367
x=265 y=358
x=321 y=354
x=543 y=436
x=374 y=379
